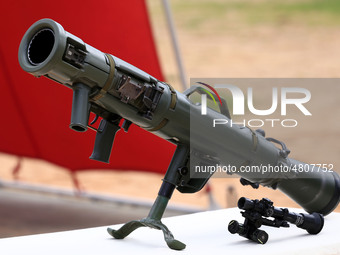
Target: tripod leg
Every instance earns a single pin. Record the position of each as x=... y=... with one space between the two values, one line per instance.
x=125 y=230
x=153 y=220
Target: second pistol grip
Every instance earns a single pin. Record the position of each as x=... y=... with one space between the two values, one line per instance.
x=104 y=141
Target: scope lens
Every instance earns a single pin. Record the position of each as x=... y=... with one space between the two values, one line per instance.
x=241 y=202
x=40 y=46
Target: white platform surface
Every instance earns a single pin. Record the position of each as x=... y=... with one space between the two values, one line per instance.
x=203 y=233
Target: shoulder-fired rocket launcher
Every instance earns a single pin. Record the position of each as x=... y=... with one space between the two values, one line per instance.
x=114 y=90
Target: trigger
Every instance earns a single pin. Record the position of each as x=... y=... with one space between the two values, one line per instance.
x=126 y=125
x=94 y=120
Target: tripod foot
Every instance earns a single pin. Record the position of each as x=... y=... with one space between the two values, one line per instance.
x=147 y=222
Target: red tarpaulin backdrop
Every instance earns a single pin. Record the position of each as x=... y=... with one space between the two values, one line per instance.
x=36 y=112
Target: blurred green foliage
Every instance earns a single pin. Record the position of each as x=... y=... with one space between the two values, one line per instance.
x=196 y=13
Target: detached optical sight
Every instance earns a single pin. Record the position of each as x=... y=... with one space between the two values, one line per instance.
x=256 y=213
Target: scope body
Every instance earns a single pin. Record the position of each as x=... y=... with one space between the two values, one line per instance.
x=115 y=89
x=258 y=212
x=312 y=223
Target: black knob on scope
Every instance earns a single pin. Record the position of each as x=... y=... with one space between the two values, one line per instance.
x=248 y=231
x=259 y=236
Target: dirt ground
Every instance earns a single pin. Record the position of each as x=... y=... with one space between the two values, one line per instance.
x=210 y=49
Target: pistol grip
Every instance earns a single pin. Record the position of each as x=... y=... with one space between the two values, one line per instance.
x=104 y=140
